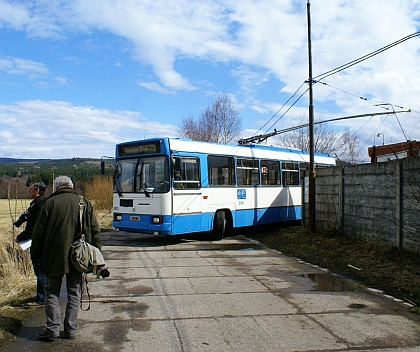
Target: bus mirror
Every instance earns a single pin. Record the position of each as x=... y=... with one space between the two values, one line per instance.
x=102 y=167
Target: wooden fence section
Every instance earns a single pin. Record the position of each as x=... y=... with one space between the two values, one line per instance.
x=379 y=201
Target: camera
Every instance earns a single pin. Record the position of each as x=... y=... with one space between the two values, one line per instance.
x=103 y=272
x=23 y=218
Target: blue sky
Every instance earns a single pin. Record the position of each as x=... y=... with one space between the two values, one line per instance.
x=77 y=77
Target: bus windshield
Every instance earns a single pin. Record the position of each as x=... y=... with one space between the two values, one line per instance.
x=142 y=175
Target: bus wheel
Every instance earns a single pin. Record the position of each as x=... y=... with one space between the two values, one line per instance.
x=219 y=225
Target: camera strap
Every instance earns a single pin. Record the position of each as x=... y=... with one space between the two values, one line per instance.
x=83 y=285
x=84 y=282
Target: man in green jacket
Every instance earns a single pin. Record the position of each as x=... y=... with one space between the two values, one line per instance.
x=55 y=230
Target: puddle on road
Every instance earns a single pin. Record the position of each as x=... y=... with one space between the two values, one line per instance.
x=328 y=283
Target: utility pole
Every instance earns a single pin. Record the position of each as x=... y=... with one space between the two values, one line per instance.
x=311 y=208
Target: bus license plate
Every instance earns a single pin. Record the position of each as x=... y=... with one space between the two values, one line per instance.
x=135 y=218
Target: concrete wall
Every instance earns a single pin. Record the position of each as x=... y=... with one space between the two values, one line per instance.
x=379 y=201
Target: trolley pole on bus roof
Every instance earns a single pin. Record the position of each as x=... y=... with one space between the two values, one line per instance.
x=311 y=208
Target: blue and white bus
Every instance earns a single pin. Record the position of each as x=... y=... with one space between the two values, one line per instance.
x=171 y=186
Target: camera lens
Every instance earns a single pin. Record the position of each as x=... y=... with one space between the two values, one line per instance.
x=104 y=273
x=21 y=220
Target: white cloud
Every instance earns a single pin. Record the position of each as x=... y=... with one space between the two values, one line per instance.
x=13 y=15
x=155 y=87
x=63 y=80
x=58 y=129
x=248 y=79
x=18 y=66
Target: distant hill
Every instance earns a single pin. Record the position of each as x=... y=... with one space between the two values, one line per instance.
x=38 y=169
x=13 y=160
x=17 y=174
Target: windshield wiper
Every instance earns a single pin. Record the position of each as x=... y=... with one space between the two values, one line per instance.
x=143 y=184
x=117 y=175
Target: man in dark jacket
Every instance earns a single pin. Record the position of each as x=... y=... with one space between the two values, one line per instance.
x=54 y=232
x=37 y=193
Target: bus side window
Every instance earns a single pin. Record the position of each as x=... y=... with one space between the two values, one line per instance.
x=270 y=172
x=247 y=172
x=186 y=173
x=220 y=170
x=290 y=172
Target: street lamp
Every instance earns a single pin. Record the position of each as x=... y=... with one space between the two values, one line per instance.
x=382 y=137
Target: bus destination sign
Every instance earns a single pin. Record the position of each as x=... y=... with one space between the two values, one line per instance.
x=139 y=148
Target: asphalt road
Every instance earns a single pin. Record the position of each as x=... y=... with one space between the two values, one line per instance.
x=172 y=294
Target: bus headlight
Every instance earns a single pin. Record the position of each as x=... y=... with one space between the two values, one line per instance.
x=157 y=220
x=117 y=217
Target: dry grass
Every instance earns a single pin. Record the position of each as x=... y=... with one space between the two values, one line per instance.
x=17 y=278
x=99 y=192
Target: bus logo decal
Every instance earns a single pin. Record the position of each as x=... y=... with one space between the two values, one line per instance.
x=241 y=193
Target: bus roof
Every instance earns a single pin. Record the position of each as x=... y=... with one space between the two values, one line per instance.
x=248 y=151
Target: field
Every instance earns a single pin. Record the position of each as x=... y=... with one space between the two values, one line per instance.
x=17 y=278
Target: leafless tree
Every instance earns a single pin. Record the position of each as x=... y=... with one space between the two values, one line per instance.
x=327 y=139
x=350 y=152
x=219 y=123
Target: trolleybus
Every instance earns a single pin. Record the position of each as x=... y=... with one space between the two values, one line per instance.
x=171 y=186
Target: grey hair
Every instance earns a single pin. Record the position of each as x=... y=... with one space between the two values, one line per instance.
x=40 y=187
x=62 y=181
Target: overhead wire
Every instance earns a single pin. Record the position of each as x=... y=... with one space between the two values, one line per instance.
x=365 y=57
x=317 y=79
x=368 y=100
x=287 y=110
x=402 y=130
x=272 y=117
x=374 y=132
x=378 y=104
x=320 y=77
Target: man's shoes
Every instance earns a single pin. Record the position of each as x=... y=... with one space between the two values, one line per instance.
x=35 y=304
x=69 y=336
x=47 y=336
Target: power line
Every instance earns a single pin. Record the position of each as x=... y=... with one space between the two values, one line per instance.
x=317 y=79
x=379 y=104
x=291 y=106
x=374 y=132
x=281 y=109
x=262 y=137
x=365 y=57
x=373 y=102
